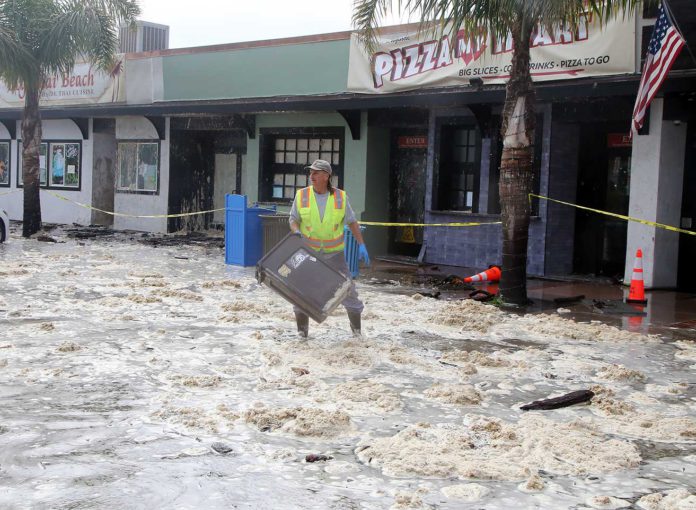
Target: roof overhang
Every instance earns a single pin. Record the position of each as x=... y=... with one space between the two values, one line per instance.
x=679 y=81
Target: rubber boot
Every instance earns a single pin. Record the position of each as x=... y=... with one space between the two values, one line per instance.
x=302 y=324
x=354 y=319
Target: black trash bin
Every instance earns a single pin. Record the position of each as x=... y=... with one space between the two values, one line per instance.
x=275 y=228
x=301 y=276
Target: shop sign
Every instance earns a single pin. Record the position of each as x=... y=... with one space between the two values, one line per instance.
x=403 y=59
x=618 y=140
x=84 y=85
x=413 y=142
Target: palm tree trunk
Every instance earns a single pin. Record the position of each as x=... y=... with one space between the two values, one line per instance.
x=516 y=169
x=31 y=142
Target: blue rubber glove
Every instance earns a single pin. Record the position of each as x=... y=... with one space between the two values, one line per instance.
x=362 y=254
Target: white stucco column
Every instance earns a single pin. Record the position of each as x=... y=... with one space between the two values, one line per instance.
x=657 y=176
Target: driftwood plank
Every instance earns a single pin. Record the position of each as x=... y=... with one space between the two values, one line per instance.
x=569 y=399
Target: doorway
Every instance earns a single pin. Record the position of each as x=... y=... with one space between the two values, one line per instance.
x=227 y=179
x=603 y=184
x=686 y=275
x=409 y=149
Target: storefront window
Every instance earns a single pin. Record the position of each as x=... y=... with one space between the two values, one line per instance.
x=4 y=164
x=64 y=160
x=138 y=164
x=65 y=164
x=459 y=168
x=288 y=153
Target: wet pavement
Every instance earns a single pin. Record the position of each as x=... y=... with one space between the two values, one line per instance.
x=602 y=299
x=151 y=375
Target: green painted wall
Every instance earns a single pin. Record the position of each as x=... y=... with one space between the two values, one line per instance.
x=355 y=152
x=377 y=190
x=298 y=69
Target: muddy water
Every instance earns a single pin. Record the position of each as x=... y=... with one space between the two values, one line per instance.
x=133 y=378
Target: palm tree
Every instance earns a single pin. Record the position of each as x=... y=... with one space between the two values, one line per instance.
x=43 y=38
x=500 y=19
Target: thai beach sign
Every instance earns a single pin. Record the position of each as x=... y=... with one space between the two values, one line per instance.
x=84 y=85
x=403 y=60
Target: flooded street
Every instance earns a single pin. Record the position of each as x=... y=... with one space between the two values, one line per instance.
x=136 y=376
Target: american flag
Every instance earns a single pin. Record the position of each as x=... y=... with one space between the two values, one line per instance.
x=665 y=44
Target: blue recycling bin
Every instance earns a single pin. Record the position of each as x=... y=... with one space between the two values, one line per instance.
x=351 y=251
x=243 y=231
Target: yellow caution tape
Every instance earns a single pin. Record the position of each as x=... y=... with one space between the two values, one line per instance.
x=385 y=224
x=378 y=224
x=620 y=216
x=124 y=215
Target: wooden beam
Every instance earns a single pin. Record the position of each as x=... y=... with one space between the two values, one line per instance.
x=159 y=124
x=352 y=118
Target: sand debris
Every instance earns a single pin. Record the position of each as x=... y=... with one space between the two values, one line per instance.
x=234 y=284
x=604 y=401
x=178 y=294
x=246 y=307
x=468 y=358
x=651 y=426
x=507 y=453
x=678 y=499
x=14 y=272
x=407 y=501
x=139 y=298
x=607 y=502
x=376 y=397
x=625 y=420
x=228 y=414
x=145 y=275
x=470 y=315
x=461 y=394
x=557 y=327
x=470 y=492
x=533 y=484
x=47 y=326
x=300 y=421
x=340 y=357
x=69 y=347
x=145 y=283
x=616 y=372
x=199 y=381
x=190 y=417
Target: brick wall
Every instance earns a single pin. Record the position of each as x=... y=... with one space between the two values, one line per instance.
x=560 y=226
x=478 y=247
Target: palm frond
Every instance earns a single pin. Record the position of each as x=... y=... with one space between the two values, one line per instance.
x=87 y=28
x=494 y=17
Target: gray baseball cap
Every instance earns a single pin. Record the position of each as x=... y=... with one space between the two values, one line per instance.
x=320 y=164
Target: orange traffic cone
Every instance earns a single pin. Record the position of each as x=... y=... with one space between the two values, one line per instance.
x=492 y=274
x=636 y=292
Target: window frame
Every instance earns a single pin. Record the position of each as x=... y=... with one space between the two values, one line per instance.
x=49 y=161
x=441 y=183
x=8 y=165
x=267 y=144
x=129 y=191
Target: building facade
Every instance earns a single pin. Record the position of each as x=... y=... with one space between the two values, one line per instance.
x=187 y=126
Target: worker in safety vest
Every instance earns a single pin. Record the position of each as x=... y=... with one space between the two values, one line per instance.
x=318 y=214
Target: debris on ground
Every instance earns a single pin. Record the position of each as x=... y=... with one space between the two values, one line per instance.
x=187 y=239
x=170 y=369
x=317 y=458
x=569 y=399
x=45 y=239
x=221 y=448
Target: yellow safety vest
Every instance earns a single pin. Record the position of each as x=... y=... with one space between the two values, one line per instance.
x=322 y=234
